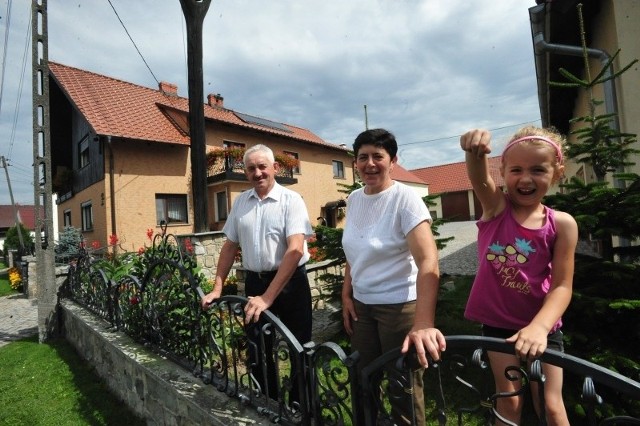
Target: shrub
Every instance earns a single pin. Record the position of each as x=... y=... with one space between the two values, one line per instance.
x=15 y=279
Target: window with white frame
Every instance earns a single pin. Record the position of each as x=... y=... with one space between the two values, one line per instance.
x=294 y=170
x=338 y=169
x=86 y=210
x=221 y=206
x=67 y=217
x=83 y=152
x=171 y=208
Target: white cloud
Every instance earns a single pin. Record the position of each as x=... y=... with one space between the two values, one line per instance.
x=426 y=70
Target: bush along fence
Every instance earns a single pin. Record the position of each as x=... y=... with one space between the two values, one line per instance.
x=154 y=297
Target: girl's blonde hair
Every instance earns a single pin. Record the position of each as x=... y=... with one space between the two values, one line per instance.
x=548 y=137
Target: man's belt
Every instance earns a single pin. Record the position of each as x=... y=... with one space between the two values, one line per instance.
x=268 y=275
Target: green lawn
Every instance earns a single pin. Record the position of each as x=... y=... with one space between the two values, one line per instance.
x=49 y=384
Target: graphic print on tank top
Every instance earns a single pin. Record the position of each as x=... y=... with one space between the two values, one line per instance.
x=506 y=259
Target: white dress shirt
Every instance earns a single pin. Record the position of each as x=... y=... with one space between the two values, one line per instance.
x=261 y=227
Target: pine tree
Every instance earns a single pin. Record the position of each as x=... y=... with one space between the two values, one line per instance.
x=69 y=243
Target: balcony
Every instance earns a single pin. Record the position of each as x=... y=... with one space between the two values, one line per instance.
x=227 y=166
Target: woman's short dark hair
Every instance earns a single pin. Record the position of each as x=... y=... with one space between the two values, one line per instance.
x=380 y=138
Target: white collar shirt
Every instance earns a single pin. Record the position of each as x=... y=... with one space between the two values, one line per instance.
x=261 y=227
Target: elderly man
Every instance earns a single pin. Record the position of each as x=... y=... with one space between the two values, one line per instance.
x=271 y=224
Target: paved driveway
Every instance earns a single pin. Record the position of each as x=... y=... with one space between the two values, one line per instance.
x=460 y=256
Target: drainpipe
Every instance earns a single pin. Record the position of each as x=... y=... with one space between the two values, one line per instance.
x=112 y=192
x=541 y=46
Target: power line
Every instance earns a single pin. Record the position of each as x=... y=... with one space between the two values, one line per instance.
x=4 y=53
x=133 y=42
x=27 y=43
x=457 y=136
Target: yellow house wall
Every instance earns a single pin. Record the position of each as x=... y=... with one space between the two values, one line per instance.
x=142 y=170
x=316 y=183
x=94 y=195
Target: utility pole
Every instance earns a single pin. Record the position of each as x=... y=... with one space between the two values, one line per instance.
x=13 y=204
x=194 y=12
x=45 y=269
x=366 y=118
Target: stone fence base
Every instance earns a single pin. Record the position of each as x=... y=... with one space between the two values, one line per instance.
x=153 y=387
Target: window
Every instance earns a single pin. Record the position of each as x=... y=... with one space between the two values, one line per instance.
x=338 y=169
x=221 y=206
x=171 y=208
x=231 y=145
x=295 y=170
x=87 y=216
x=83 y=152
x=67 y=218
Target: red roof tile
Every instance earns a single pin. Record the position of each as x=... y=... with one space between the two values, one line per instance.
x=118 y=108
x=453 y=177
x=401 y=174
x=26 y=215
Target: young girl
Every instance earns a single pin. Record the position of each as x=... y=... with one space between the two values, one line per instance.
x=526 y=260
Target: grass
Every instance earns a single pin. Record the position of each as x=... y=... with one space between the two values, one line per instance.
x=49 y=384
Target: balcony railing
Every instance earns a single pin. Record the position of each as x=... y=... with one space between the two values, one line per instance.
x=228 y=166
x=317 y=383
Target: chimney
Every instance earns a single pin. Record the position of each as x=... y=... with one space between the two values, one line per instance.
x=168 y=88
x=215 y=100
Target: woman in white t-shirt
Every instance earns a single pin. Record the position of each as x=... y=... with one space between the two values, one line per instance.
x=392 y=278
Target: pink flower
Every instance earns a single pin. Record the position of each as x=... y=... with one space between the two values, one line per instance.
x=141 y=250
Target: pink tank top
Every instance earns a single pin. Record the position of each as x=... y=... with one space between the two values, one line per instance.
x=514 y=271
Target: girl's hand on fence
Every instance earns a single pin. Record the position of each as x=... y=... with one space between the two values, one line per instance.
x=530 y=342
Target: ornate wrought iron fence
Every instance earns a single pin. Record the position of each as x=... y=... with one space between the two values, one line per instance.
x=157 y=302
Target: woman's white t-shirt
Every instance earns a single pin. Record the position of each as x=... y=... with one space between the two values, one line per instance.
x=374 y=241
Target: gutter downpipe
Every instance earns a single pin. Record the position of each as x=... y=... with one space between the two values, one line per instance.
x=540 y=45
x=112 y=192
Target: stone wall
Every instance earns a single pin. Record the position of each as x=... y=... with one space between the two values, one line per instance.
x=207 y=246
x=153 y=387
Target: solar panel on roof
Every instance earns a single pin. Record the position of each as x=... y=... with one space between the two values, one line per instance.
x=262 y=122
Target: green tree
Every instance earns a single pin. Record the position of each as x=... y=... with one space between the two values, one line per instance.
x=12 y=239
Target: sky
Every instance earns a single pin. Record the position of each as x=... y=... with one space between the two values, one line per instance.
x=426 y=70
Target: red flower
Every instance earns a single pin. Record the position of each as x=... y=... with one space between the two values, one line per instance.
x=141 y=250
x=95 y=245
x=113 y=240
x=188 y=246
x=149 y=233
x=134 y=300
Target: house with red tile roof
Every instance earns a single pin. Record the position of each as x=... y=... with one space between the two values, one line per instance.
x=26 y=215
x=121 y=158
x=403 y=175
x=456 y=201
